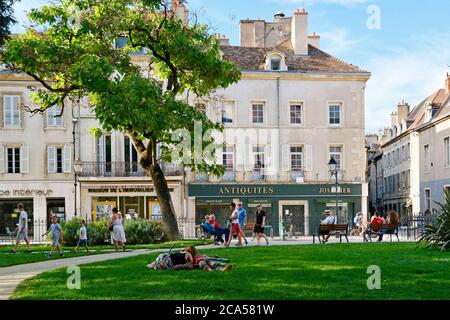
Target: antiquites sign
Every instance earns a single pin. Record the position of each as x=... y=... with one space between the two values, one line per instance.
x=25 y=193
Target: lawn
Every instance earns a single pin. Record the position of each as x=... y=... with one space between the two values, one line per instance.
x=291 y=272
x=40 y=251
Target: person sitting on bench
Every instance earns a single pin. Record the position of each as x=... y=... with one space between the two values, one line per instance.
x=219 y=230
x=392 y=220
x=330 y=219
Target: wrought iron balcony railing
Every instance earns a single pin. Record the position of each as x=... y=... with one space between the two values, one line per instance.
x=123 y=169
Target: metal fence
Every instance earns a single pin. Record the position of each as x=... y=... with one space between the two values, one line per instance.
x=36 y=230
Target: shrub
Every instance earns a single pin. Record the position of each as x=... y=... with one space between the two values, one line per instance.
x=437 y=234
x=71 y=231
x=143 y=231
x=97 y=232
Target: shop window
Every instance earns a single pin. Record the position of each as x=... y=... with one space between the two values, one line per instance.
x=9 y=216
x=56 y=207
x=102 y=207
x=132 y=207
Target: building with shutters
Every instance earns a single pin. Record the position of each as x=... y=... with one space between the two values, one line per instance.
x=36 y=155
x=294 y=108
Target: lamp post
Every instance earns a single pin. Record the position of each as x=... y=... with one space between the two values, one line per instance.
x=334 y=170
x=77 y=169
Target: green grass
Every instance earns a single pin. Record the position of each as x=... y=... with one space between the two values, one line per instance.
x=291 y=272
x=40 y=251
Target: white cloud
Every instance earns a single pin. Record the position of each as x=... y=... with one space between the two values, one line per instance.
x=411 y=74
x=310 y=2
x=338 y=41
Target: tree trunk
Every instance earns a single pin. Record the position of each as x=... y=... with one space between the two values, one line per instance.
x=170 y=224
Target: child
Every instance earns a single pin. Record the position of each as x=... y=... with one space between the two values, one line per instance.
x=235 y=227
x=83 y=237
x=55 y=229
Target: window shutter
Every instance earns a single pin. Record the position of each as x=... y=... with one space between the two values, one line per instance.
x=286 y=159
x=219 y=156
x=2 y=107
x=2 y=159
x=67 y=154
x=100 y=149
x=24 y=159
x=51 y=160
x=113 y=147
x=7 y=112
x=309 y=158
x=240 y=157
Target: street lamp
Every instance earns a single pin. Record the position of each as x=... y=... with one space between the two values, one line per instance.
x=77 y=169
x=334 y=171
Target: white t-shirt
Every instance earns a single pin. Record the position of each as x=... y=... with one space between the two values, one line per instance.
x=23 y=224
x=235 y=217
x=83 y=233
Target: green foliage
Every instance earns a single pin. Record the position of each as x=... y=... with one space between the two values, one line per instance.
x=437 y=234
x=97 y=232
x=71 y=231
x=6 y=19
x=143 y=232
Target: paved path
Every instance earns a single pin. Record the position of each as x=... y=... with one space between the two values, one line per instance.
x=10 y=277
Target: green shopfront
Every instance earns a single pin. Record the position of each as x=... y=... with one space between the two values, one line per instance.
x=296 y=208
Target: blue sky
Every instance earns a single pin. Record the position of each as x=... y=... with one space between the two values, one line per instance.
x=408 y=56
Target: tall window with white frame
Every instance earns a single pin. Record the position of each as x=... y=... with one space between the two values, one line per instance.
x=104 y=154
x=296 y=157
x=427 y=199
x=258 y=166
x=131 y=156
x=296 y=113
x=258 y=113
x=426 y=152
x=11 y=111
x=55 y=159
x=13 y=160
x=54 y=117
x=228 y=163
x=335 y=114
x=227 y=112
x=447 y=152
x=336 y=154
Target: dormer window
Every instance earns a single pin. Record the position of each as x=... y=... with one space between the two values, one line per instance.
x=275 y=62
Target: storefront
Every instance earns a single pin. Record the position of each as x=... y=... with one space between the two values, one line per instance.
x=135 y=199
x=298 y=208
x=41 y=201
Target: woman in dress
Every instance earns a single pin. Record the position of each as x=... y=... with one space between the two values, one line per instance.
x=118 y=232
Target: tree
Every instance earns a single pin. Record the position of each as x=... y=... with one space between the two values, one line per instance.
x=6 y=18
x=71 y=54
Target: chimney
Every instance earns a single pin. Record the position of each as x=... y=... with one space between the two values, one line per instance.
x=314 y=40
x=394 y=118
x=447 y=84
x=402 y=111
x=299 y=33
x=180 y=10
x=253 y=33
x=223 y=40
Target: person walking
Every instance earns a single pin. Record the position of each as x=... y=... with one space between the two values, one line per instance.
x=22 y=229
x=117 y=230
x=235 y=226
x=242 y=220
x=82 y=242
x=260 y=224
x=57 y=237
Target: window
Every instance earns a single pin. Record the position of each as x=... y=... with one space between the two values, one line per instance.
x=13 y=156
x=296 y=113
x=334 y=114
x=11 y=111
x=428 y=199
x=447 y=151
x=258 y=156
x=275 y=63
x=403 y=155
x=54 y=118
x=336 y=154
x=55 y=160
x=104 y=154
x=426 y=150
x=258 y=113
x=228 y=158
x=296 y=158
x=227 y=112
x=131 y=156
x=408 y=151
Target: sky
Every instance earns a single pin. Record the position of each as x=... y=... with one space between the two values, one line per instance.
x=405 y=44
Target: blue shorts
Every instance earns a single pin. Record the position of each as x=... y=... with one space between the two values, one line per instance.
x=55 y=242
x=82 y=243
x=22 y=235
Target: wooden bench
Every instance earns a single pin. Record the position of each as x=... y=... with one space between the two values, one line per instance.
x=374 y=229
x=340 y=230
x=249 y=229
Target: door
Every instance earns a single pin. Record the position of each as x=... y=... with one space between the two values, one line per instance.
x=294 y=220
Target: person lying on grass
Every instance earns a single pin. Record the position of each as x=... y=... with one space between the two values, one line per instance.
x=55 y=229
x=174 y=261
x=187 y=260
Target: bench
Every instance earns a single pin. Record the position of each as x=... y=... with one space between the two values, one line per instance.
x=374 y=229
x=249 y=229
x=340 y=230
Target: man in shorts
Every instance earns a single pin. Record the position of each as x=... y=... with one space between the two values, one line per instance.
x=22 y=229
x=242 y=220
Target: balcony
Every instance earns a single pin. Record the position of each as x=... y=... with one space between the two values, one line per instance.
x=258 y=175
x=123 y=169
x=298 y=176
x=201 y=177
x=229 y=176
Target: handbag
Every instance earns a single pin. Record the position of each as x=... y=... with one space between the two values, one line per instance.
x=111 y=228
